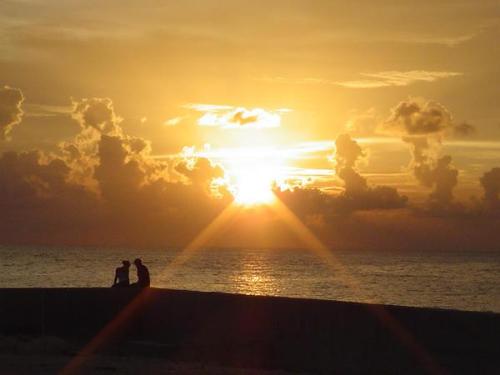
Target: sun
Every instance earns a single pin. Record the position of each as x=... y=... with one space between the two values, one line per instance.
x=253 y=185
x=251 y=172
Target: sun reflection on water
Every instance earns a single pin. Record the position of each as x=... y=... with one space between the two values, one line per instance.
x=254 y=276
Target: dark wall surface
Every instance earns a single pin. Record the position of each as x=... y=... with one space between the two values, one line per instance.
x=262 y=332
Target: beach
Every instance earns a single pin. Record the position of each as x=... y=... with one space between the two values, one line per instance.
x=44 y=364
x=232 y=331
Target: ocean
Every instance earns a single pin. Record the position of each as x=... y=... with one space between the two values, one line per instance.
x=461 y=280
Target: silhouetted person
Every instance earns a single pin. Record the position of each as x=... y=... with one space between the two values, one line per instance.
x=121 y=275
x=142 y=274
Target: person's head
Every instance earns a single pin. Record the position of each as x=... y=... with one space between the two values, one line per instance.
x=126 y=263
x=137 y=262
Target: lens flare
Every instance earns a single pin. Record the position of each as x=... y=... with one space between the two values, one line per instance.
x=253 y=185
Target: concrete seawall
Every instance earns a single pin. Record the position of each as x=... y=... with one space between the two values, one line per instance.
x=261 y=332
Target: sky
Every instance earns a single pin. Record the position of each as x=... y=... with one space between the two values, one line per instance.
x=376 y=124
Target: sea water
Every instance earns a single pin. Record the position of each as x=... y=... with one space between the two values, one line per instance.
x=461 y=280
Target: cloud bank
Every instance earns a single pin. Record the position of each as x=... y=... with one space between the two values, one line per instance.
x=317 y=206
x=104 y=187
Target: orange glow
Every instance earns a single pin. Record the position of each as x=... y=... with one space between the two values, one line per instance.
x=254 y=185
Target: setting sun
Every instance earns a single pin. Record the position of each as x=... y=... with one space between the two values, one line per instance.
x=253 y=185
x=252 y=171
x=342 y=155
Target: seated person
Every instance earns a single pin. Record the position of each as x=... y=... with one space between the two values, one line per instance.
x=142 y=274
x=121 y=275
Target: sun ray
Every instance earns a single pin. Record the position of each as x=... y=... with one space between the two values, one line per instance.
x=203 y=237
x=313 y=244
x=253 y=187
x=110 y=330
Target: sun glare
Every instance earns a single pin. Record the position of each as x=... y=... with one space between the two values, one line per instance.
x=253 y=185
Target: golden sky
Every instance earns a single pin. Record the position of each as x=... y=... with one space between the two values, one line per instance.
x=376 y=123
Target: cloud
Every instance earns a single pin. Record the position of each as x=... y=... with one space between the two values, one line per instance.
x=397 y=78
x=296 y=81
x=347 y=151
x=463 y=130
x=364 y=84
x=239 y=117
x=236 y=117
x=123 y=164
x=363 y=124
x=119 y=175
x=173 y=121
x=347 y=154
x=490 y=182
x=397 y=229
x=392 y=78
x=411 y=117
x=96 y=117
x=433 y=171
x=97 y=113
x=39 y=204
x=105 y=187
x=418 y=117
x=44 y=110
x=422 y=125
x=205 y=107
x=244 y=117
x=202 y=172
x=442 y=176
x=316 y=206
x=11 y=112
x=358 y=194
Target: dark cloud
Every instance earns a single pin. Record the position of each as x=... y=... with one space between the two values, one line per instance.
x=444 y=178
x=11 y=112
x=422 y=125
x=347 y=154
x=119 y=176
x=389 y=229
x=316 y=206
x=306 y=201
x=464 y=129
x=358 y=195
x=25 y=177
x=97 y=113
x=200 y=171
x=104 y=187
x=347 y=151
x=235 y=117
x=372 y=198
x=417 y=117
x=433 y=171
x=38 y=203
x=438 y=174
x=490 y=182
x=102 y=148
x=242 y=117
